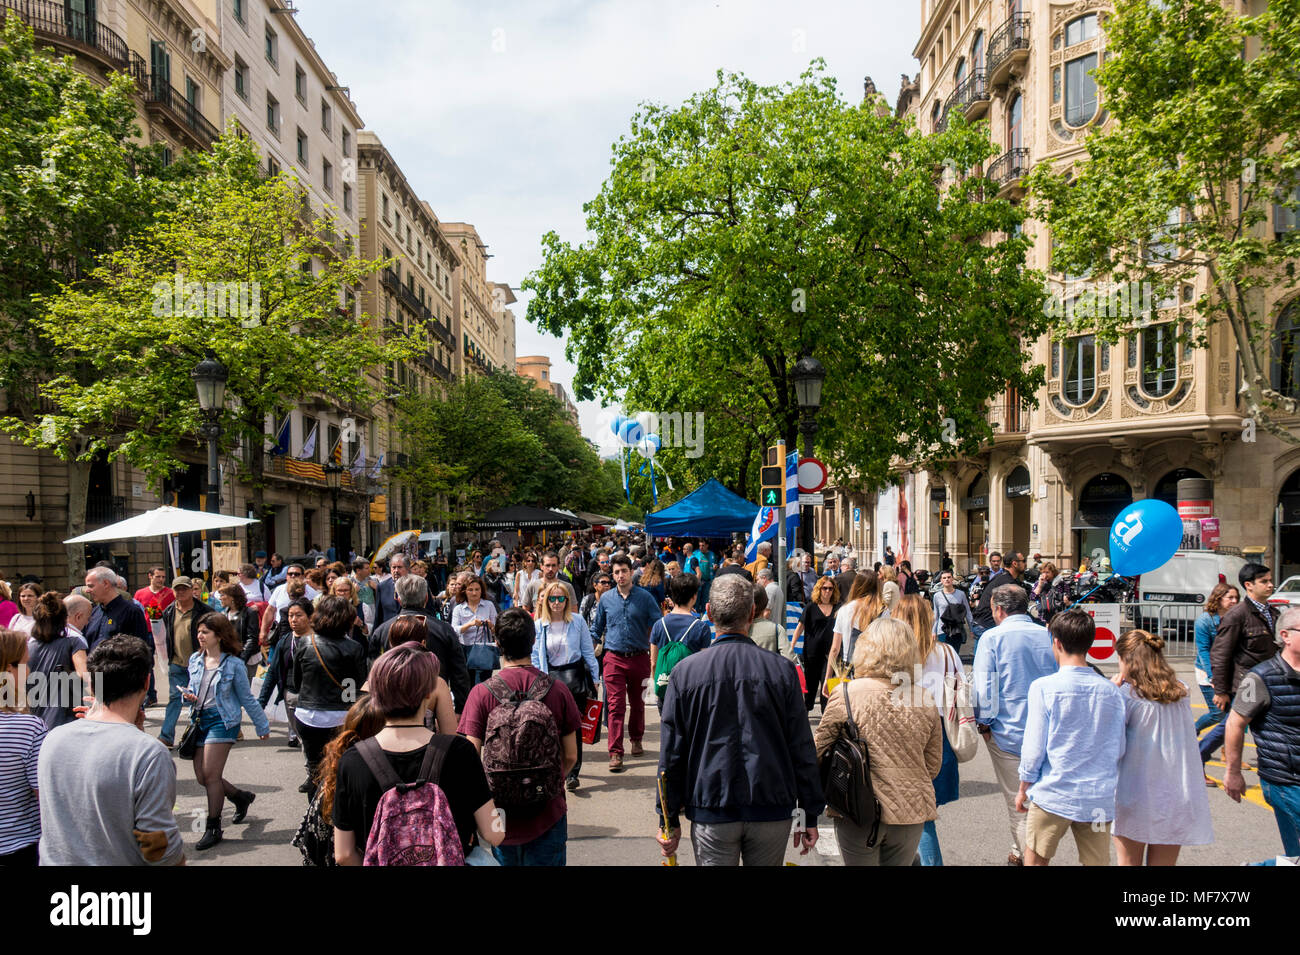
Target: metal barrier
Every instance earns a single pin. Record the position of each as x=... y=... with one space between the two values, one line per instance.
x=1175 y=622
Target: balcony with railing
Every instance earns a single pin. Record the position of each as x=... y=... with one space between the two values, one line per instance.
x=441 y=332
x=70 y=30
x=1008 y=171
x=167 y=102
x=439 y=369
x=1008 y=415
x=104 y=509
x=971 y=97
x=1008 y=47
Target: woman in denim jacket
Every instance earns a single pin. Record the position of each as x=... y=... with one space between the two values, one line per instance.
x=218 y=689
x=564 y=649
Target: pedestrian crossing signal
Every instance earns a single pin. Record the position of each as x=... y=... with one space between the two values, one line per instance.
x=943 y=517
x=773 y=486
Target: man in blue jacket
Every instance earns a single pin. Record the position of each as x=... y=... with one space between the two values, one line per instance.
x=737 y=753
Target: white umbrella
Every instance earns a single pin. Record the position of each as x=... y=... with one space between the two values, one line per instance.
x=395 y=542
x=159 y=522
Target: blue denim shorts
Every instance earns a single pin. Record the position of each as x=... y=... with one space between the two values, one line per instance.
x=213 y=730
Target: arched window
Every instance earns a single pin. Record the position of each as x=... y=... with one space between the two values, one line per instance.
x=1080 y=85
x=1080 y=29
x=1015 y=129
x=1286 y=353
x=1159 y=344
x=959 y=74
x=935 y=115
x=977 y=51
x=1080 y=369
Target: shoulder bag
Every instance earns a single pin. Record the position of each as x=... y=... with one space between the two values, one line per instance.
x=958 y=715
x=846 y=777
x=190 y=738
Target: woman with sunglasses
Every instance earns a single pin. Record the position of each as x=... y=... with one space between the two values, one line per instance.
x=564 y=649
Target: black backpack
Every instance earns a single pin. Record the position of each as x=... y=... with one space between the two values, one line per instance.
x=846 y=777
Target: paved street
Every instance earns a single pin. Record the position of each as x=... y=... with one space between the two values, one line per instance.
x=611 y=818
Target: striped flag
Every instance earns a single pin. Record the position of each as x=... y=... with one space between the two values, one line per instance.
x=791 y=499
x=765 y=525
x=303 y=466
x=336 y=452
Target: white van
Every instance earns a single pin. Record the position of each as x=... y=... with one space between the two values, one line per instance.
x=1181 y=585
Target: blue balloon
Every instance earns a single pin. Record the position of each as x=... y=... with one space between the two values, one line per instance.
x=631 y=432
x=1144 y=536
x=617 y=424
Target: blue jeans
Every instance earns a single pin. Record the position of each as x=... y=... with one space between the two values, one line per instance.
x=929 y=847
x=1212 y=740
x=546 y=850
x=1285 y=801
x=176 y=676
x=1213 y=714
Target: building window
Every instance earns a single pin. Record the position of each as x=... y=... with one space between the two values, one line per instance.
x=1286 y=353
x=192 y=94
x=1080 y=29
x=1286 y=219
x=272 y=165
x=347 y=198
x=273 y=115
x=166 y=156
x=241 y=79
x=238 y=10
x=302 y=147
x=1080 y=90
x=326 y=116
x=327 y=176
x=347 y=141
x=1163 y=246
x=272 y=48
x=300 y=84
x=959 y=74
x=977 y=51
x=1080 y=369
x=1159 y=359
x=1015 y=126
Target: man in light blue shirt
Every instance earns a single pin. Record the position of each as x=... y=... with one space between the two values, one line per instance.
x=1069 y=761
x=1009 y=656
x=622 y=623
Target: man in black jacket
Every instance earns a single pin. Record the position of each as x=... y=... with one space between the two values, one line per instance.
x=1009 y=574
x=844 y=579
x=413 y=593
x=739 y=803
x=386 y=605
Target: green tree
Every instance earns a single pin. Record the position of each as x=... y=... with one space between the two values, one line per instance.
x=1206 y=103
x=227 y=268
x=753 y=223
x=74 y=185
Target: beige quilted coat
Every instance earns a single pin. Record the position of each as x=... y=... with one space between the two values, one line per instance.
x=904 y=743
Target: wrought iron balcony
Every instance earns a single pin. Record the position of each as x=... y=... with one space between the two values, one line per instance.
x=71 y=30
x=163 y=98
x=105 y=509
x=439 y=369
x=1009 y=168
x=972 y=96
x=1009 y=46
x=441 y=332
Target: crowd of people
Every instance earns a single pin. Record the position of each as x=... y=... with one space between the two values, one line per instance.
x=442 y=706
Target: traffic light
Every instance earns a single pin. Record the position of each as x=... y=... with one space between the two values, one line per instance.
x=943 y=517
x=773 y=486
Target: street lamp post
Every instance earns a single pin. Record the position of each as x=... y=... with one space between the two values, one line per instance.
x=210 y=378
x=808 y=376
x=334 y=478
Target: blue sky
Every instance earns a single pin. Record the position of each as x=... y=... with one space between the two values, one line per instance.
x=503 y=114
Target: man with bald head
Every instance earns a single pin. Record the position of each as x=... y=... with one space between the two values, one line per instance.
x=79 y=611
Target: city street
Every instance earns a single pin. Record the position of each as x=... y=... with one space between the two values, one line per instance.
x=612 y=820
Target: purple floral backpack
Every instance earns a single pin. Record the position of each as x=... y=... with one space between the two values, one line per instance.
x=413 y=821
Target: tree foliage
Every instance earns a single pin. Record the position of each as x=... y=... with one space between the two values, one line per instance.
x=753 y=223
x=496 y=440
x=1206 y=103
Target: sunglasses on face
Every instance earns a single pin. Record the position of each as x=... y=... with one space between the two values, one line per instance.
x=557 y=600
x=293 y=573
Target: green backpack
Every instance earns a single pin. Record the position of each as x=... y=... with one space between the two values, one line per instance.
x=670 y=654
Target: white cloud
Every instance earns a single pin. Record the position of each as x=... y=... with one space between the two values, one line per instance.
x=504 y=114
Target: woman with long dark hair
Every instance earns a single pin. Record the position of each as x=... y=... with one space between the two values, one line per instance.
x=328 y=670
x=218 y=690
x=56 y=655
x=234 y=603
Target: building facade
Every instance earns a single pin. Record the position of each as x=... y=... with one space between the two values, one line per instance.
x=537 y=368
x=1114 y=423
x=480 y=331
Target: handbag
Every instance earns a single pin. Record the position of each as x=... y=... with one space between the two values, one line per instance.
x=958 y=716
x=591 y=721
x=315 y=837
x=482 y=656
x=576 y=677
x=190 y=738
x=846 y=777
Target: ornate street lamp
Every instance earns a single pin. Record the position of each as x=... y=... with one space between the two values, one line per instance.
x=808 y=375
x=210 y=378
x=333 y=480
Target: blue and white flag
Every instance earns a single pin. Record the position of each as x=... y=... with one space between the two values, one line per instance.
x=374 y=472
x=308 y=452
x=791 y=498
x=765 y=527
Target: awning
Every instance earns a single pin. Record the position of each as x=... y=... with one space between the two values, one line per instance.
x=160 y=522
x=520 y=517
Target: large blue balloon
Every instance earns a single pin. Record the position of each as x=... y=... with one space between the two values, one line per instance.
x=617 y=424
x=1144 y=536
x=631 y=432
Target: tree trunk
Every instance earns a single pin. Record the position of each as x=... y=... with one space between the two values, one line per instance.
x=257 y=481
x=78 y=491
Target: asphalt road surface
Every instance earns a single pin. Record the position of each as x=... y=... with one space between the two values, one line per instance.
x=612 y=819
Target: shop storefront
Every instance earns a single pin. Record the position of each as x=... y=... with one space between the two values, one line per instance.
x=976 y=507
x=1099 y=503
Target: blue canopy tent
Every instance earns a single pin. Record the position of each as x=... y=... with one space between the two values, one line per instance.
x=709 y=511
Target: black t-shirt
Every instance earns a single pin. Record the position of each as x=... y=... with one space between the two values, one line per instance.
x=357 y=795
